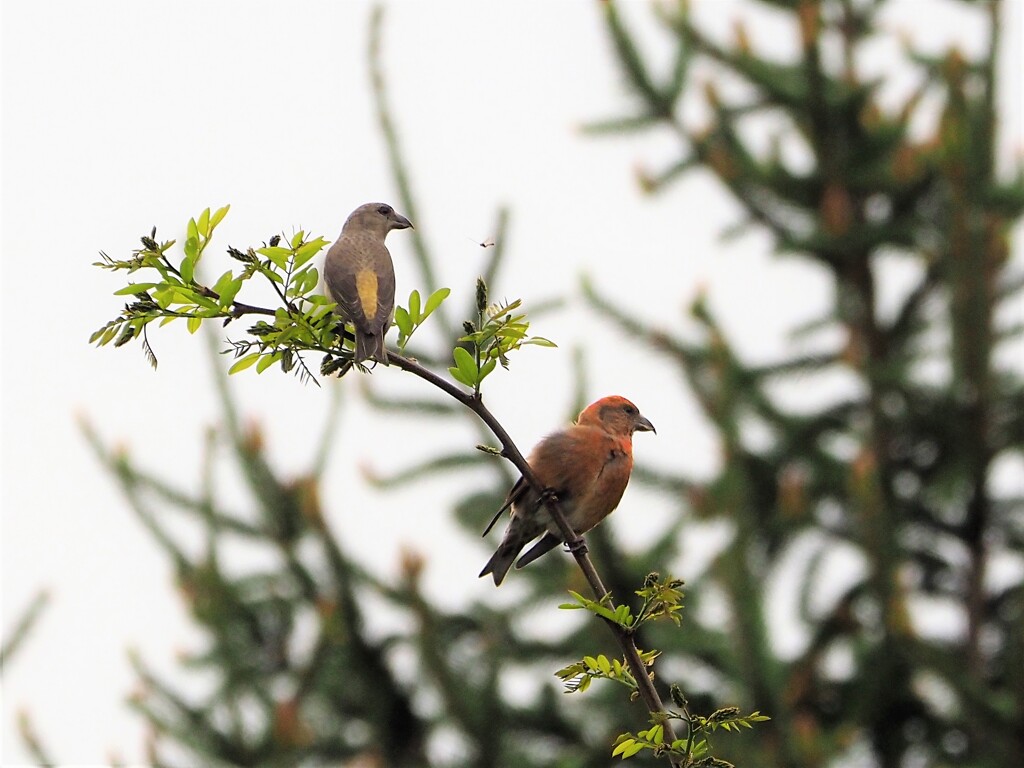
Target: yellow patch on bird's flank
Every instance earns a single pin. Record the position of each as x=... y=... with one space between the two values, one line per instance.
x=366 y=285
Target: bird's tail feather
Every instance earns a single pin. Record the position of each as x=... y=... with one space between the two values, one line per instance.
x=369 y=346
x=501 y=561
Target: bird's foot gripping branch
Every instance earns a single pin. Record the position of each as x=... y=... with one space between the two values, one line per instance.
x=550 y=500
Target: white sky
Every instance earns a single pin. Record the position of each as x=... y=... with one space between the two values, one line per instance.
x=121 y=115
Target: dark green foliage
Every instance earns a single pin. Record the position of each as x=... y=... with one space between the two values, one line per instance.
x=911 y=493
x=908 y=492
x=297 y=680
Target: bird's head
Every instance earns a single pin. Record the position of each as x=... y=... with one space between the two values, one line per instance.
x=617 y=415
x=380 y=218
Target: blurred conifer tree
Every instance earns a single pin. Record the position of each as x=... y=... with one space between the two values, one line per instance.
x=899 y=473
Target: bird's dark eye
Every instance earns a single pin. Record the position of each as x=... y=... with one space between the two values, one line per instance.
x=630 y=410
x=384 y=210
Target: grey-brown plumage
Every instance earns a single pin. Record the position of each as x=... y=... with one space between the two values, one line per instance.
x=360 y=276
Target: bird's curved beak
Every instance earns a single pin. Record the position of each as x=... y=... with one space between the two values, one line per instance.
x=643 y=425
x=398 y=221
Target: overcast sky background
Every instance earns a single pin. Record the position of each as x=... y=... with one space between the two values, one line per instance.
x=118 y=116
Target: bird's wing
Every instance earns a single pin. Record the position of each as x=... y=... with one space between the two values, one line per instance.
x=361 y=278
x=340 y=277
x=385 y=270
x=544 y=545
x=514 y=495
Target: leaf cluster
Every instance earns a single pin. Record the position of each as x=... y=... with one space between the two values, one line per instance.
x=303 y=322
x=694 y=751
x=660 y=599
x=497 y=332
x=578 y=676
x=408 y=319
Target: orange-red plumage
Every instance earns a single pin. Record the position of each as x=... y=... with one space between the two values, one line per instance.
x=587 y=466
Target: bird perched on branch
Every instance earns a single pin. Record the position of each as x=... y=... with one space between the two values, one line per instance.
x=587 y=467
x=360 y=276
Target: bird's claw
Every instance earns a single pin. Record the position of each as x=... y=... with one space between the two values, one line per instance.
x=577 y=546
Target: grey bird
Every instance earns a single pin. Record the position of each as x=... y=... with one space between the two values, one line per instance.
x=360 y=276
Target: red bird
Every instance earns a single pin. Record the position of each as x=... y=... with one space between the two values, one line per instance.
x=587 y=466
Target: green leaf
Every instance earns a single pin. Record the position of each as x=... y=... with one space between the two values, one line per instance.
x=457 y=375
x=244 y=363
x=218 y=217
x=192 y=233
x=227 y=288
x=648 y=657
x=192 y=248
x=96 y=334
x=227 y=295
x=127 y=334
x=194 y=323
x=435 y=300
x=267 y=361
x=203 y=225
x=222 y=282
x=203 y=301
x=319 y=311
x=571 y=671
x=466 y=365
x=414 y=307
x=272 y=275
x=297 y=239
x=540 y=341
x=316 y=298
x=403 y=321
x=308 y=250
x=188 y=264
x=486 y=368
x=623 y=746
x=132 y=288
x=309 y=280
x=602 y=611
x=632 y=749
x=164 y=295
x=277 y=255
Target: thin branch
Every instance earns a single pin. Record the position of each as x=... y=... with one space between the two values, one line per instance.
x=576 y=544
x=24 y=626
x=33 y=743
